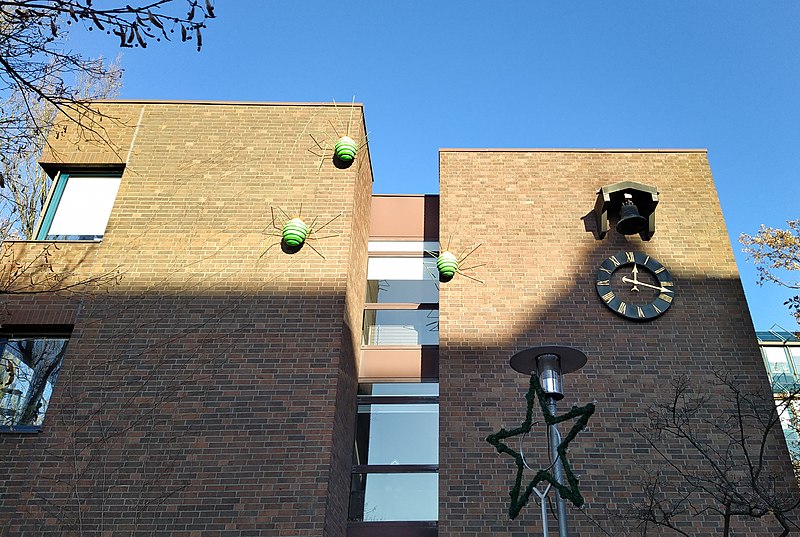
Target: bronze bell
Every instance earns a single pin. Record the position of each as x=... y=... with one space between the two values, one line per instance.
x=630 y=221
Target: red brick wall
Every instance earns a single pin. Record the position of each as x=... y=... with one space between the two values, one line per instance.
x=211 y=390
x=531 y=211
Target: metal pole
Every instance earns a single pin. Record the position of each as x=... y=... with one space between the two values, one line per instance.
x=558 y=473
x=543 y=505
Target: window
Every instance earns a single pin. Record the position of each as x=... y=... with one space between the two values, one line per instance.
x=401 y=326
x=401 y=300
x=788 y=413
x=29 y=367
x=780 y=369
x=402 y=268
x=395 y=291
x=794 y=352
x=396 y=455
x=777 y=361
x=79 y=207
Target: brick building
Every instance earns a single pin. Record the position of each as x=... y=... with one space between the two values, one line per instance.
x=204 y=379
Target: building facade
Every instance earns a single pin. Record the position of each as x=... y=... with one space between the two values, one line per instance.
x=172 y=367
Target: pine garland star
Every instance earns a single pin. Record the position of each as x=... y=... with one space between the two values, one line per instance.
x=570 y=492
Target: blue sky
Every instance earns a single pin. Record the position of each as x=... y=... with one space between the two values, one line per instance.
x=723 y=75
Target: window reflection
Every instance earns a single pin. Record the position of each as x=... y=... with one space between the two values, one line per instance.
x=396 y=455
x=28 y=372
x=413 y=291
x=394 y=497
x=795 y=354
x=401 y=268
x=777 y=360
x=398 y=434
x=401 y=327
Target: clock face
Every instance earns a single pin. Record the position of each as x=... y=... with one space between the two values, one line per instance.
x=635 y=286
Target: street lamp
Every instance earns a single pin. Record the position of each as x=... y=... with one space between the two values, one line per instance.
x=550 y=363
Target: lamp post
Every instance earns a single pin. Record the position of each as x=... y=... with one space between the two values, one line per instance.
x=550 y=363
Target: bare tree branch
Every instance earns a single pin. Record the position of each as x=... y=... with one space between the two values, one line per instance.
x=23 y=201
x=38 y=71
x=739 y=480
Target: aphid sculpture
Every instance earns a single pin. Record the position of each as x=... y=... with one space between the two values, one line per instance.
x=449 y=264
x=344 y=150
x=295 y=232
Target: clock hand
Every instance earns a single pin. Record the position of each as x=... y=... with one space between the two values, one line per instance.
x=635 y=282
x=662 y=289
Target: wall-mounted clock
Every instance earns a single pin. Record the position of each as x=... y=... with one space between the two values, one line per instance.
x=635 y=286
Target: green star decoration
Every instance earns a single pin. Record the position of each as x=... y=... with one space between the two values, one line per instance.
x=570 y=492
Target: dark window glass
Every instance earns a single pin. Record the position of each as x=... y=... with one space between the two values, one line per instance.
x=398 y=433
x=379 y=497
x=395 y=291
x=28 y=372
x=396 y=455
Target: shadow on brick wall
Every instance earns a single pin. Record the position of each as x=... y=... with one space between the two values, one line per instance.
x=175 y=414
x=632 y=367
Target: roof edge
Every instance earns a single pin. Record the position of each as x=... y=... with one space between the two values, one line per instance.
x=568 y=150
x=223 y=103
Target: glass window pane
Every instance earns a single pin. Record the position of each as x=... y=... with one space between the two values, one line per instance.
x=415 y=291
x=28 y=371
x=388 y=497
x=788 y=413
x=777 y=360
x=401 y=327
x=398 y=388
x=795 y=354
x=398 y=433
x=84 y=207
x=402 y=268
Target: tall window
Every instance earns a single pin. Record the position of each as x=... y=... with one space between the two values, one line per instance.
x=396 y=457
x=29 y=369
x=79 y=207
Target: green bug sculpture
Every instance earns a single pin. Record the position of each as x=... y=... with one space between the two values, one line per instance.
x=344 y=150
x=449 y=264
x=295 y=232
